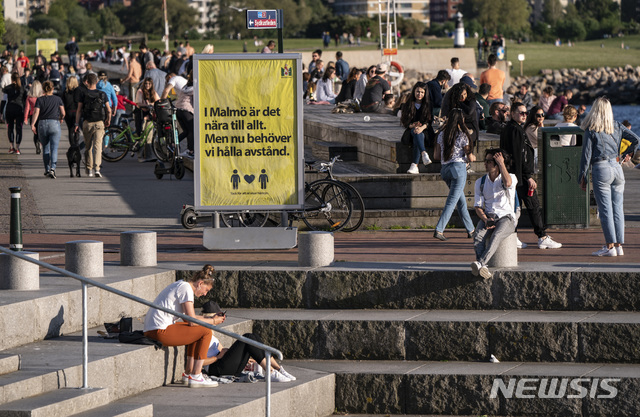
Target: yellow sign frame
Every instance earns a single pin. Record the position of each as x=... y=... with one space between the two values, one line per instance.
x=249 y=144
x=48 y=46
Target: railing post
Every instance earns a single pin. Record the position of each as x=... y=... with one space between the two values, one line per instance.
x=267 y=379
x=85 y=339
x=15 y=227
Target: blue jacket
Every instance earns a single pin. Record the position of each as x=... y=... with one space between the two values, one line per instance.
x=599 y=146
x=107 y=88
x=342 y=69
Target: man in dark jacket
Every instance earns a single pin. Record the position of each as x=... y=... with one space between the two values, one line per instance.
x=513 y=140
x=498 y=120
x=435 y=90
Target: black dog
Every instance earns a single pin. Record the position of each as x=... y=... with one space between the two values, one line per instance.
x=73 y=155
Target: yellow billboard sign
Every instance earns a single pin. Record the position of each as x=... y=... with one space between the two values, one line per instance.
x=47 y=46
x=248 y=130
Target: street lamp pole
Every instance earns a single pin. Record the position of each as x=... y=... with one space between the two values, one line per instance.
x=166 y=26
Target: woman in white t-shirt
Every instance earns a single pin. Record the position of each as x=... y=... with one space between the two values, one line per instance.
x=168 y=330
x=454 y=151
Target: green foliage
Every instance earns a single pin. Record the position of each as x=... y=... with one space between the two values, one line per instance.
x=508 y=16
x=552 y=11
x=48 y=26
x=109 y=22
x=147 y=16
x=571 y=29
x=15 y=33
x=2 y=21
x=410 y=28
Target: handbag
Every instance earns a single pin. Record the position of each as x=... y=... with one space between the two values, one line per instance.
x=407 y=139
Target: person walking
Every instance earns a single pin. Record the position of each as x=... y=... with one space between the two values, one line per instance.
x=600 y=151
x=70 y=104
x=454 y=150
x=30 y=105
x=94 y=107
x=72 y=51
x=14 y=112
x=416 y=116
x=49 y=113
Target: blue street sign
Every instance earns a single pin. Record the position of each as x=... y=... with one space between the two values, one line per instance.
x=262 y=19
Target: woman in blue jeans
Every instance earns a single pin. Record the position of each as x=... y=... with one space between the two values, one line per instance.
x=49 y=113
x=454 y=151
x=416 y=115
x=600 y=151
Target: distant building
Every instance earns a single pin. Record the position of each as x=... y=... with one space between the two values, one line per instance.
x=206 y=15
x=408 y=9
x=443 y=10
x=17 y=11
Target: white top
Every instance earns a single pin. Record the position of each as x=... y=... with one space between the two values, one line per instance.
x=183 y=92
x=494 y=197
x=214 y=346
x=458 y=148
x=455 y=74
x=172 y=298
x=567 y=140
x=324 y=90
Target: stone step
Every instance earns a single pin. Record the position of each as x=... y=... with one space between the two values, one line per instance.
x=62 y=402
x=9 y=363
x=449 y=335
x=465 y=388
x=311 y=395
x=444 y=286
x=119 y=410
x=123 y=369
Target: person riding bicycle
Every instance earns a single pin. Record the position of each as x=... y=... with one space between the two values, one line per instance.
x=145 y=98
x=184 y=106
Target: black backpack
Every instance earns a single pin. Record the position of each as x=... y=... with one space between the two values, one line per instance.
x=93 y=106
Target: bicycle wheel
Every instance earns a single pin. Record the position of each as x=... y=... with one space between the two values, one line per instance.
x=245 y=218
x=117 y=144
x=357 y=215
x=327 y=206
x=163 y=144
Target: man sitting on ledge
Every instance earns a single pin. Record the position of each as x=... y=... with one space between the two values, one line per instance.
x=374 y=92
x=495 y=195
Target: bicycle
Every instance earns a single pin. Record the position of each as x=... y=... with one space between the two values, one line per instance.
x=357 y=202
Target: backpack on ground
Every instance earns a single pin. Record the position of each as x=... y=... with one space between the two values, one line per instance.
x=93 y=107
x=138 y=338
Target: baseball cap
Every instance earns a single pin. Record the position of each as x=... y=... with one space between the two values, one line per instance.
x=468 y=81
x=380 y=68
x=102 y=73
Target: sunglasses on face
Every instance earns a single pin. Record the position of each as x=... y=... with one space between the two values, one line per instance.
x=522 y=113
x=539 y=114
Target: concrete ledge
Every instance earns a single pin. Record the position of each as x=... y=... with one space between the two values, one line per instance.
x=507 y=254
x=315 y=249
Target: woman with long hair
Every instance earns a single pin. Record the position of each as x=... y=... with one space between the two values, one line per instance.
x=145 y=97
x=49 y=113
x=535 y=120
x=168 y=330
x=453 y=149
x=14 y=111
x=416 y=115
x=324 y=88
x=349 y=86
x=30 y=104
x=600 y=151
x=70 y=105
x=462 y=97
x=362 y=82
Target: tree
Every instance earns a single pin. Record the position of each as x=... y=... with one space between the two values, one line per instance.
x=598 y=9
x=552 y=11
x=147 y=16
x=15 y=32
x=571 y=29
x=512 y=15
x=44 y=23
x=2 y=23
x=410 y=28
x=109 y=22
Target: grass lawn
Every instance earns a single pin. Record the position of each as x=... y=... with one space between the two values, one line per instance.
x=584 y=55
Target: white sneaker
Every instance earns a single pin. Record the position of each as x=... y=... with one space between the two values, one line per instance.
x=413 y=169
x=278 y=377
x=606 y=252
x=521 y=245
x=475 y=268
x=548 y=243
x=425 y=158
x=91 y=173
x=185 y=378
x=485 y=273
x=619 y=251
x=98 y=174
x=201 y=381
x=287 y=374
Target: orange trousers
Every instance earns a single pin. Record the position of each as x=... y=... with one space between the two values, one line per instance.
x=196 y=338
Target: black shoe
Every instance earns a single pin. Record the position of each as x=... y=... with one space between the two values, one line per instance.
x=439 y=235
x=38 y=150
x=46 y=173
x=471 y=234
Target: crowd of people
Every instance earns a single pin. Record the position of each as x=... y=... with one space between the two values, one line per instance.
x=511 y=169
x=48 y=92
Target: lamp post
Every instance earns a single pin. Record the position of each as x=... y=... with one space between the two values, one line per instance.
x=521 y=59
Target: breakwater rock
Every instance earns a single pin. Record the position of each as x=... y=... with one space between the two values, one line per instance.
x=620 y=84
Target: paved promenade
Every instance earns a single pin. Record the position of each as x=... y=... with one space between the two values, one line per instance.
x=129 y=197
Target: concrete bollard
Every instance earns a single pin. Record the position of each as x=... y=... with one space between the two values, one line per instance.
x=507 y=254
x=84 y=257
x=18 y=274
x=315 y=249
x=138 y=248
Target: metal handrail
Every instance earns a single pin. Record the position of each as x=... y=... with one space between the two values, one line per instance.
x=268 y=350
